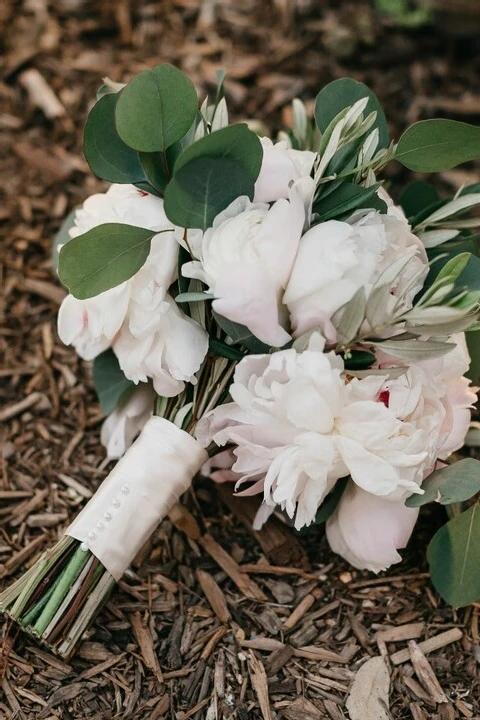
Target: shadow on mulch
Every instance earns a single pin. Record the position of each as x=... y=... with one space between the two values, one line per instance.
x=213 y=623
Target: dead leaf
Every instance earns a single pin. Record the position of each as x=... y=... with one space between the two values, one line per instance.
x=368 y=697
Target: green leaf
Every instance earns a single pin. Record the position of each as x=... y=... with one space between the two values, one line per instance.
x=62 y=236
x=103 y=257
x=111 y=385
x=436 y=145
x=328 y=506
x=203 y=188
x=188 y=297
x=455 y=483
x=240 y=335
x=453 y=556
x=218 y=347
x=235 y=142
x=413 y=350
x=417 y=196
x=155 y=169
x=342 y=93
x=156 y=109
x=473 y=344
x=347 y=198
x=106 y=153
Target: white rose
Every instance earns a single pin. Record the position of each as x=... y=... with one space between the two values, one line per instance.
x=281 y=166
x=335 y=259
x=246 y=259
x=300 y=426
x=122 y=426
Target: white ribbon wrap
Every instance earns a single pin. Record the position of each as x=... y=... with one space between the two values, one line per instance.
x=138 y=493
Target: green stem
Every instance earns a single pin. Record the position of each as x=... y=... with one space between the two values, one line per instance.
x=66 y=580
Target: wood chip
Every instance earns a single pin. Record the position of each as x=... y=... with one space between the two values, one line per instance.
x=425 y=673
x=417 y=712
x=368 y=698
x=41 y=94
x=145 y=642
x=214 y=595
x=430 y=645
x=244 y=583
x=302 y=709
x=259 y=681
x=413 y=631
x=302 y=608
x=19 y=407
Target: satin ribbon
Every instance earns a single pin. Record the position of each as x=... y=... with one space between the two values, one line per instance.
x=140 y=490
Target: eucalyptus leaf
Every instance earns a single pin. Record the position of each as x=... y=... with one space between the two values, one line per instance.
x=437 y=145
x=414 y=349
x=241 y=335
x=103 y=258
x=106 y=153
x=221 y=349
x=155 y=169
x=453 y=558
x=343 y=93
x=455 y=483
x=235 y=142
x=417 y=196
x=111 y=385
x=156 y=109
x=203 y=188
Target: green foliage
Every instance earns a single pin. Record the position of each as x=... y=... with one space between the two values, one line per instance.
x=240 y=335
x=103 y=257
x=156 y=109
x=235 y=142
x=453 y=558
x=455 y=483
x=343 y=93
x=111 y=385
x=211 y=173
x=203 y=188
x=417 y=197
x=328 y=506
x=106 y=153
x=436 y=145
x=402 y=13
x=347 y=198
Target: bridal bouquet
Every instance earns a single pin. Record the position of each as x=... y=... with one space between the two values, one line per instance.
x=268 y=301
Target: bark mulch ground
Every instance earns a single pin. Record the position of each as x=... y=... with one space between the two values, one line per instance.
x=212 y=621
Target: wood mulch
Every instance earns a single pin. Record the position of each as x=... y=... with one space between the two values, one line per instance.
x=212 y=621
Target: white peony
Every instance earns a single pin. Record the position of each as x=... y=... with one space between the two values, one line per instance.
x=335 y=259
x=368 y=530
x=300 y=426
x=91 y=325
x=169 y=350
x=246 y=259
x=281 y=166
x=122 y=426
x=151 y=337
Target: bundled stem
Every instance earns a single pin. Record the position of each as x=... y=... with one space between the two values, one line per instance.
x=60 y=596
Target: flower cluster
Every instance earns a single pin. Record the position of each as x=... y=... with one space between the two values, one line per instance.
x=271 y=300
